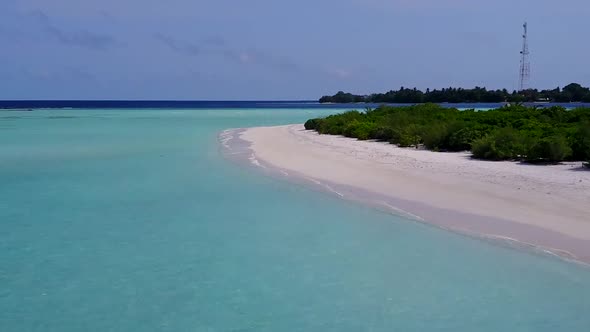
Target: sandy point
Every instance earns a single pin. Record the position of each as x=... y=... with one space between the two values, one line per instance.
x=544 y=206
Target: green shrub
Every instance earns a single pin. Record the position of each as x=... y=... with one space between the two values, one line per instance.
x=365 y=131
x=581 y=142
x=349 y=128
x=407 y=140
x=511 y=132
x=503 y=144
x=484 y=148
x=410 y=136
x=382 y=133
x=312 y=124
x=549 y=149
x=435 y=137
x=462 y=139
x=359 y=130
x=396 y=136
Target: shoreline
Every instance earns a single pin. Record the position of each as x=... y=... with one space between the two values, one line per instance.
x=546 y=208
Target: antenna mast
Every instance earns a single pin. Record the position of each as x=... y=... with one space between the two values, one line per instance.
x=525 y=66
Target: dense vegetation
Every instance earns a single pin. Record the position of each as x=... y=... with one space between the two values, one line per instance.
x=537 y=135
x=571 y=93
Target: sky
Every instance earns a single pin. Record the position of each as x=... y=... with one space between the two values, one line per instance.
x=282 y=50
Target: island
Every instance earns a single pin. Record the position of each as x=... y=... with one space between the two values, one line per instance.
x=514 y=132
x=573 y=92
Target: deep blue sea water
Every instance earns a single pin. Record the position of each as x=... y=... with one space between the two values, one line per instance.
x=216 y=104
x=132 y=220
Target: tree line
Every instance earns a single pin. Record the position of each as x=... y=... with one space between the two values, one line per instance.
x=516 y=132
x=573 y=92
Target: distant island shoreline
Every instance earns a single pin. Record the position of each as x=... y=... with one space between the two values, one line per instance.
x=571 y=93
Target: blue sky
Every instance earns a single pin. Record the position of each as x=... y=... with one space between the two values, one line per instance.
x=273 y=49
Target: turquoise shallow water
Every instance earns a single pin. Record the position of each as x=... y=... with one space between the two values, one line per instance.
x=132 y=220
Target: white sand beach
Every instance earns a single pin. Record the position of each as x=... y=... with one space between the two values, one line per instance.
x=546 y=206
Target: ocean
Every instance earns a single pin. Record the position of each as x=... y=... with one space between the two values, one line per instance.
x=133 y=220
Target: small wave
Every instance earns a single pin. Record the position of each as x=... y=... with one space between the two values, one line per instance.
x=330 y=189
x=552 y=251
x=224 y=141
x=226 y=136
x=255 y=161
x=557 y=253
x=334 y=191
x=226 y=132
x=403 y=212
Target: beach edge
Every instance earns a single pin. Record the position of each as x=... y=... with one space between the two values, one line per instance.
x=529 y=237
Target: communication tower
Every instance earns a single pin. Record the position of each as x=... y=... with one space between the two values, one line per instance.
x=525 y=65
